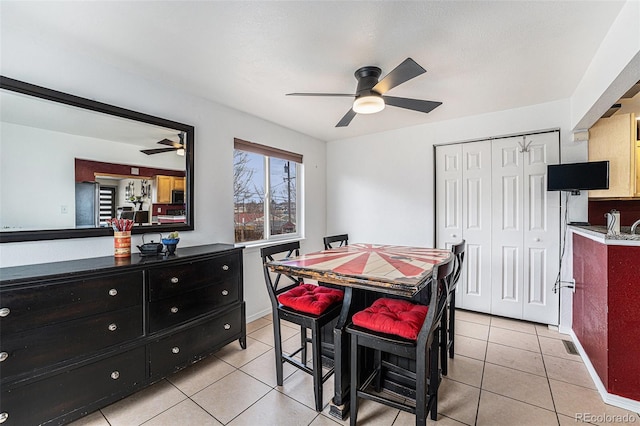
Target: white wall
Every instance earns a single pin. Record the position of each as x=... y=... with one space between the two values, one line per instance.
x=28 y=58
x=381 y=187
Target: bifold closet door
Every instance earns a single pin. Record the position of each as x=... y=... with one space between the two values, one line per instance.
x=525 y=228
x=463 y=197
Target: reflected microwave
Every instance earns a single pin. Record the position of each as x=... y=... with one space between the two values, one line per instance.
x=177 y=196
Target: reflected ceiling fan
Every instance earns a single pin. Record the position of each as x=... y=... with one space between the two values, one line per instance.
x=173 y=146
x=369 y=97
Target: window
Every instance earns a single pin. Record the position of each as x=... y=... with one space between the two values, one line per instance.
x=266 y=191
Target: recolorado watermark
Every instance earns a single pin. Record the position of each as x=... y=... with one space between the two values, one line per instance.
x=606 y=418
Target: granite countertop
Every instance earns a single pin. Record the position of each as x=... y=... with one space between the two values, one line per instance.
x=600 y=232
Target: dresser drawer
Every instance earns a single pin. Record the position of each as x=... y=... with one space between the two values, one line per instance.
x=177 y=351
x=190 y=305
x=68 y=392
x=177 y=278
x=53 y=302
x=41 y=347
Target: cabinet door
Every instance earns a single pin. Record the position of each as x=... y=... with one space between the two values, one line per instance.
x=613 y=139
x=164 y=185
x=179 y=183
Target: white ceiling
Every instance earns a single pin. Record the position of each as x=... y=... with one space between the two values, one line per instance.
x=480 y=56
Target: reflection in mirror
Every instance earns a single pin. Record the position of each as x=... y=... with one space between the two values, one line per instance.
x=68 y=164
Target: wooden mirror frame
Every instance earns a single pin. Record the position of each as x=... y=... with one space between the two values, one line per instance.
x=79 y=102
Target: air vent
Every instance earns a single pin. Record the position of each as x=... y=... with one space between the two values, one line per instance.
x=611 y=110
x=570 y=347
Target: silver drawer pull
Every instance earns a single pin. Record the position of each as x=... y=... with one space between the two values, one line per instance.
x=115 y=375
x=175 y=349
x=174 y=280
x=225 y=267
x=4 y=417
x=113 y=327
x=5 y=312
x=225 y=292
x=174 y=310
x=113 y=292
x=3 y=356
x=227 y=326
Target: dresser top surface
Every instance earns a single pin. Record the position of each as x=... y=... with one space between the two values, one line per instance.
x=106 y=263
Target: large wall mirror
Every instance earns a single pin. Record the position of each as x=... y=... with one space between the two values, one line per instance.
x=68 y=164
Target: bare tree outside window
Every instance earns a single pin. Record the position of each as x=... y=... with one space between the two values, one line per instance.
x=251 y=171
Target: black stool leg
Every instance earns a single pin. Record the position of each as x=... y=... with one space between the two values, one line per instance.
x=444 y=340
x=277 y=338
x=422 y=396
x=452 y=324
x=317 y=364
x=303 y=345
x=353 y=390
x=434 y=379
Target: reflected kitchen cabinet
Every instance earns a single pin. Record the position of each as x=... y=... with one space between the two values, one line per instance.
x=166 y=187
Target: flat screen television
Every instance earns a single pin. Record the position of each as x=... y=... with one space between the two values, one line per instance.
x=578 y=176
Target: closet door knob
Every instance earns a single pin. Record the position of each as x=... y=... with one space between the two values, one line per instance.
x=454 y=236
x=5 y=312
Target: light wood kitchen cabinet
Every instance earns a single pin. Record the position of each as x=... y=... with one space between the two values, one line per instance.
x=166 y=184
x=615 y=139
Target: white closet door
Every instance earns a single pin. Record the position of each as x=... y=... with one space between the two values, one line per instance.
x=476 y=222
x=449 y=197
x=541 y=230
x=507 y=229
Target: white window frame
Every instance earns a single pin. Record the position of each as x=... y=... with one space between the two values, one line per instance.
x=299 y=197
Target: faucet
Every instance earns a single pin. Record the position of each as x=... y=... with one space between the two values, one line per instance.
x=634 y=226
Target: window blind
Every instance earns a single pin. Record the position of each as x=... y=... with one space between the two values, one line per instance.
x=266 y=150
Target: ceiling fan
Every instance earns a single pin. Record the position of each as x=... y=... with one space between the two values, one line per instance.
x=174 y=146
x=369 y=97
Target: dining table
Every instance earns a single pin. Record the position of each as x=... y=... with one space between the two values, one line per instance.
x=365 y=271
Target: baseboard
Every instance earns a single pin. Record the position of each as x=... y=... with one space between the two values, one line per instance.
x=258 y=315
x=608 y=398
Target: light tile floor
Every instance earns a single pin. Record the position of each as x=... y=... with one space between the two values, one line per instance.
x=506 y=372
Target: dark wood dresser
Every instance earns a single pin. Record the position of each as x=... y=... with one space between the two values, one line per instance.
x=76 y=336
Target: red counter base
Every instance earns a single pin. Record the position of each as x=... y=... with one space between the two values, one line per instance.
x=606 y=312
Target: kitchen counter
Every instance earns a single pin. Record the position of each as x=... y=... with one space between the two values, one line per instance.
x=599 y=233
x=605 y=314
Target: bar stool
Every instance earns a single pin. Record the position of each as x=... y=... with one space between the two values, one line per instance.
x=404 y=329
x=448 y=328
x=343 y=239
x=311 y=307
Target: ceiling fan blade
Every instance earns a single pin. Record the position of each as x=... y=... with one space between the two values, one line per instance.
x=350 y=95
x=157 y=150
x=344 y=122
x=170 y=143
x=414 y=104
x=407 y=70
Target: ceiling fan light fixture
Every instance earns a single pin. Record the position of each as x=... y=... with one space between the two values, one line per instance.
x=369 y=104
x=180 y=152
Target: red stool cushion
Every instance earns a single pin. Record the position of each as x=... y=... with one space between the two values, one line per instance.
x=393 y=316
x=310 y=298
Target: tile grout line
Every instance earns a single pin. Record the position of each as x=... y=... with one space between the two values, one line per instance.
x=546 y=373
